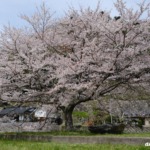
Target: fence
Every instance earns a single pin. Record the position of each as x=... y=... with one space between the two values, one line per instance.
x=137 y=130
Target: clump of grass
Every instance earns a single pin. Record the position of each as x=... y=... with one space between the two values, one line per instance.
x=26 y=145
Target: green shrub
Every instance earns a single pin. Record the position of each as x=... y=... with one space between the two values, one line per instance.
x=80 y=114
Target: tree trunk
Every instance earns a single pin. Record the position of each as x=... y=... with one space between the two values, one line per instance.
x=68 y=118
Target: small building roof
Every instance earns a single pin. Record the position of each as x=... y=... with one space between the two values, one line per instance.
x=132 y=108
x=16 y=110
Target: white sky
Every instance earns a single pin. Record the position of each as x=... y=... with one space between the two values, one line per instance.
x=11 y=9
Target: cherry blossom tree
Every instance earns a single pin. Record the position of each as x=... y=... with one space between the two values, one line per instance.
x=104 y=53
x=28 y=62
x=81 y=57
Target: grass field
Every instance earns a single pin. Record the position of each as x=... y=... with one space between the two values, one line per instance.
x=24 y=145
x=28 y=145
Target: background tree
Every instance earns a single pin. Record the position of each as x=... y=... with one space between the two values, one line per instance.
x=82 y=57
x=28 y=63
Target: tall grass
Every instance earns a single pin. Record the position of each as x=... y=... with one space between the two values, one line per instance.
x=24 y=145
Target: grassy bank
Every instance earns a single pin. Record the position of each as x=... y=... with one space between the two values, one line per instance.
x=81 y=133
x=24 y=145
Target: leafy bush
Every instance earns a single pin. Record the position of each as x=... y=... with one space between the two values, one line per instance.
x=80 y=114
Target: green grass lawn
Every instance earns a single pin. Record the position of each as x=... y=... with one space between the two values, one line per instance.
x=24 y=145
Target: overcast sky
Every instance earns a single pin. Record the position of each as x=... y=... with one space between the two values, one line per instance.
x=11 y=9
